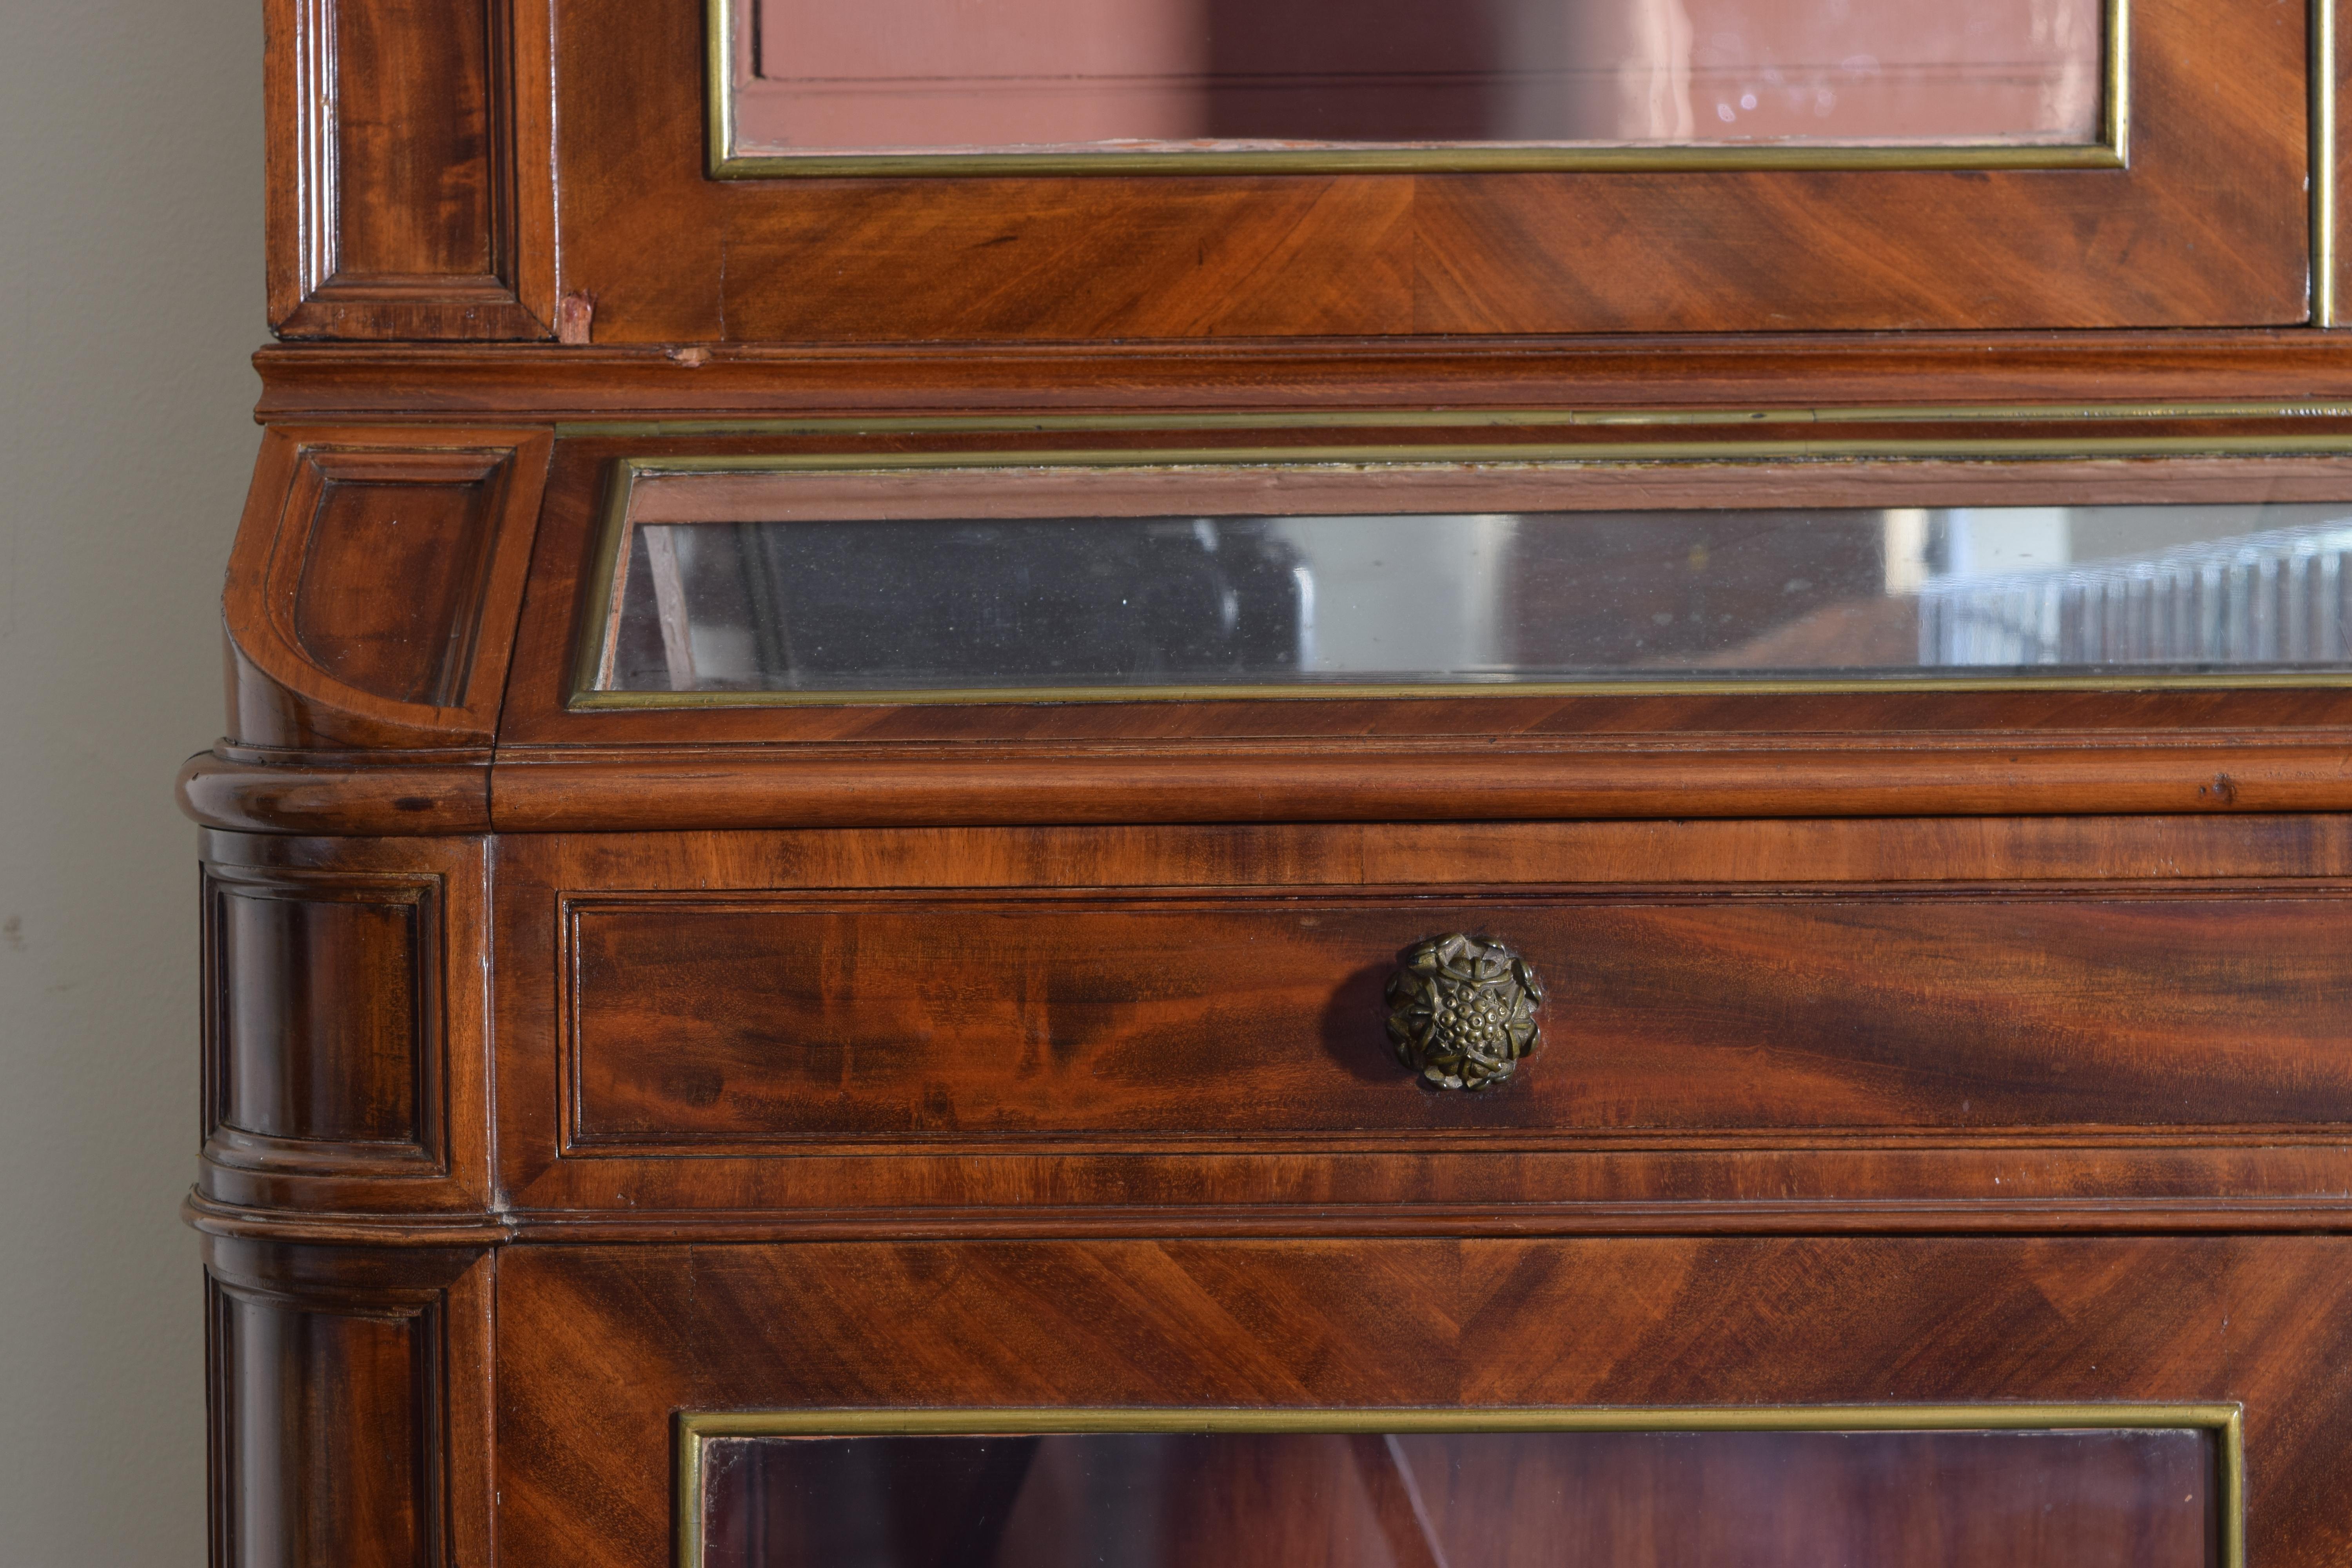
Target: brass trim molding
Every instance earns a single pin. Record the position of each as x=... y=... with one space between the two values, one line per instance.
x=2322 y=68
x=697 y=1428
x=2110 y=415
x=596 y=638
x=726 y=161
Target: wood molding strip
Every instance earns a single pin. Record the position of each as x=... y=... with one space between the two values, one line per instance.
x=1755 y=1217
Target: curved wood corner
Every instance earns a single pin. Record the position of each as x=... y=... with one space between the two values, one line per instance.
x=374 y=588
x=408 y=799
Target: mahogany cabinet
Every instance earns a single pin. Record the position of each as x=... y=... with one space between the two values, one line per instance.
x=1324 y=799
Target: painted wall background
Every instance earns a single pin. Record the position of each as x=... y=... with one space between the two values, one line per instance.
x=131 y=295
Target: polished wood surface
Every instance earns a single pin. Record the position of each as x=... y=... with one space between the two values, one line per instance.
x=601 y=1344
x=327 y=1021
x=424 y=520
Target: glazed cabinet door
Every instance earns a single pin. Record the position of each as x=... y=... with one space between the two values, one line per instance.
x=1473 y=1401
x=775 y=171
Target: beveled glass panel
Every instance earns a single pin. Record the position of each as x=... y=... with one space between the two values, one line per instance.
x=751 y=587
x=886 y=77
x=2146 y=1497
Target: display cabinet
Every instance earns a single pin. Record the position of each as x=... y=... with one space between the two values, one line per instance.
x=1434 y=785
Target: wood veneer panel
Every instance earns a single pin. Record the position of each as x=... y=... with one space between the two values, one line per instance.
x=349 y=1397
x=697 y=1021
x=598 y=1346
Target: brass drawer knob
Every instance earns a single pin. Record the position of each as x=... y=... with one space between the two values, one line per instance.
x=1462 y=1011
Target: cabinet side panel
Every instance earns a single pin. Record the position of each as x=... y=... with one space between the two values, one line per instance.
x=325 y=1418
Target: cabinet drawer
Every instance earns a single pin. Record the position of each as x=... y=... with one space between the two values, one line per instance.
x=696 y=1020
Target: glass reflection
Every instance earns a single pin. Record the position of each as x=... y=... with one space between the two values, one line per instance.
x=1062 y=602
x=1625 y=1500
x=932 y=75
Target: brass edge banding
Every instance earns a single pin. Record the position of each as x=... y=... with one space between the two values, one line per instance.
x=719 y=91
x=695 y=1428
x=2115 y=86
x=2110 y=151
x=1458 y=418
x=2322 y=66
x=612 y=538
x=585 y=697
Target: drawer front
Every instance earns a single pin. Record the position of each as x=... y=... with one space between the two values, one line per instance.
x=696 y=1020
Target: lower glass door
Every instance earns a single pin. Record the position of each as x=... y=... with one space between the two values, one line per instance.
x=1890 y=1486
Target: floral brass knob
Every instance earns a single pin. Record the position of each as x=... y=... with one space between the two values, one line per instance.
x=1462 y=1012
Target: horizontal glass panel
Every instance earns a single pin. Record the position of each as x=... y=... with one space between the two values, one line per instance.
x=2087 y=1499
x=925 y=76
x=763 y=585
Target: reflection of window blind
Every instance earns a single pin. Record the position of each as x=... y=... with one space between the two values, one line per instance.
x=2261 y=598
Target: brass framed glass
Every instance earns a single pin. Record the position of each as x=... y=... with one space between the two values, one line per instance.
x=915 y=86
x=2153 y=1485
x=1111 y=576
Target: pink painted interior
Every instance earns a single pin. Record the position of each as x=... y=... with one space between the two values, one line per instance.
x=831 y=76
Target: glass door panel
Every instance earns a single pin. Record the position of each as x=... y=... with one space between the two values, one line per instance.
x=765 y=587
x=900 y=76
x=2150 y=1496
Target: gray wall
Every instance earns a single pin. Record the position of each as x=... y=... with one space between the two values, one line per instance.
x=131 y=295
